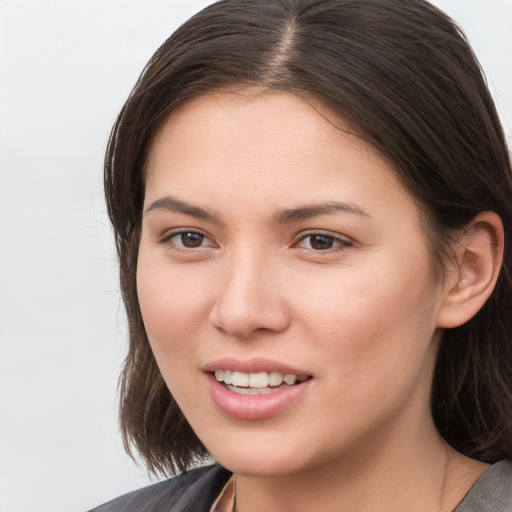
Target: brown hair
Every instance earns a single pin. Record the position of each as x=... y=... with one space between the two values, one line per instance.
x=400 y=72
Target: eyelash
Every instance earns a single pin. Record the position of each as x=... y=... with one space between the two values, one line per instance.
x=336 y=243
x=339 y=244
x=168 y=239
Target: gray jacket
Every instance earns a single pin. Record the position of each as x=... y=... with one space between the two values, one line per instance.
x=196 y=490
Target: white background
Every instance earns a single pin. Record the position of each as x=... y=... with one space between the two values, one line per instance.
x=65 y=69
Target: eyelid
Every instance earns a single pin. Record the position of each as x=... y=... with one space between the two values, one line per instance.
x=342 y=242
x=166 y=238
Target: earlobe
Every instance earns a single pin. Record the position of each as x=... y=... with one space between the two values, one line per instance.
x=479 y=256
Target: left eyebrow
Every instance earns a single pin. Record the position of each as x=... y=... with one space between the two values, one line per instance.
x=314 y=210
x=177 y=205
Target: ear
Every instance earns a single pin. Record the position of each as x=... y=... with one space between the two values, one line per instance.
x=474 y=272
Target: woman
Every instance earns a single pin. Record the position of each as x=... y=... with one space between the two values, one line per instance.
x=312 y=208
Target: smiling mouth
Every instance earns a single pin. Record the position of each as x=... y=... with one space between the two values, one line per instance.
x=259 y=383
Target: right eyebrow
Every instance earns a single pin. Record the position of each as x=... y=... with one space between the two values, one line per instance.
x=177 y=205
x=315 y=210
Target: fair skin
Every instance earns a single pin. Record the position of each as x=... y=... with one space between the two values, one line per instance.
x=271 y=241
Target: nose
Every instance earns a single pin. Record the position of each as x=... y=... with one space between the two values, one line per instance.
x=249 y=298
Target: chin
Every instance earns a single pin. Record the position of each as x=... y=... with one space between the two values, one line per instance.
x=254 y=461
x=250 y=460
x=258 y=466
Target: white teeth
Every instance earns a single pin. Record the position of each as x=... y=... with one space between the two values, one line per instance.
x=275 y=378
x=260 y=380
x=253 y=391
x=240 y=379
x=290 y=379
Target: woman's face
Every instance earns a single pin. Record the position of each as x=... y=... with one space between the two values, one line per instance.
x=276 y=246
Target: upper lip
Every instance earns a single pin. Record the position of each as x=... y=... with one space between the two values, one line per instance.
x=253 y=365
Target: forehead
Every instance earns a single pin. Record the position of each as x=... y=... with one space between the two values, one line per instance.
x=245 y=147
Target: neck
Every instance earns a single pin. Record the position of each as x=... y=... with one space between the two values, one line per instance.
x=386 y=475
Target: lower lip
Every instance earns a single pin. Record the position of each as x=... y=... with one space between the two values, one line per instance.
x=254 y=407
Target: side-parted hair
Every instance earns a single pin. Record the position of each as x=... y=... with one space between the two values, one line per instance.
x=403 y=76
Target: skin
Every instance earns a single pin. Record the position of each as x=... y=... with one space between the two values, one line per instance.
x=362 y=316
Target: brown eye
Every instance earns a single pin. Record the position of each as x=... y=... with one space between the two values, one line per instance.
x=188 y=240
x=321 y=242
x=191 y=240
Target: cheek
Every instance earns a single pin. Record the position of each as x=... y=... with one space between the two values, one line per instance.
x=172 y=305
x=372 y=323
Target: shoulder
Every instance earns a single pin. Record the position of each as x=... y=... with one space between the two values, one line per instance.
x=193 y=490
x=492 y=492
